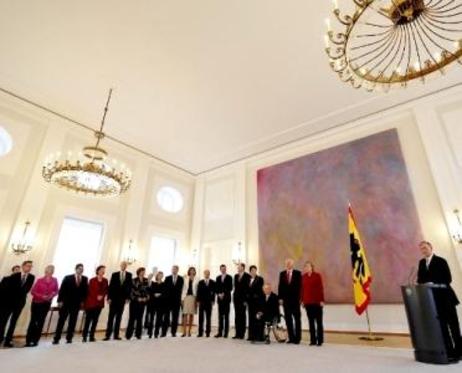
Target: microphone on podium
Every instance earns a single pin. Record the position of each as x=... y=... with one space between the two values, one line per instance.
x=411 y=276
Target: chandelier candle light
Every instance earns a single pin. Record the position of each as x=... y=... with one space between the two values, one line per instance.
x=387 y=43
x=23 y=246
x=90 y=171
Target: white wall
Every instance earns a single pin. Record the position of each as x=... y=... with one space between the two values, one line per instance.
x=431 y=135
x=25 y=196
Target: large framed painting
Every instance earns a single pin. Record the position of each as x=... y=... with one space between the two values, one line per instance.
x=302 y=214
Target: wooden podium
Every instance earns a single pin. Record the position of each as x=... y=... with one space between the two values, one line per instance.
x=422 y=315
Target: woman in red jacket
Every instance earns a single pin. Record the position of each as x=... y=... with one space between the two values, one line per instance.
x=97 y=291
x=312 y=297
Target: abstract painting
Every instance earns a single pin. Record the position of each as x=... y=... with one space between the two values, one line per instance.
x=302 y=214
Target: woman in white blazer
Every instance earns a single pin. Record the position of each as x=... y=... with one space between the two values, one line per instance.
x=188 y=300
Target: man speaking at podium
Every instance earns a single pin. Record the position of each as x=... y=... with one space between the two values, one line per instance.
x=435 y=270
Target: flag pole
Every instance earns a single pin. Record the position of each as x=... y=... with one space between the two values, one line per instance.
x=370 y=337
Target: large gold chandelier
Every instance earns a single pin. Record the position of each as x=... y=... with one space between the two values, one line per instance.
x=89 y=171
x=386 y=43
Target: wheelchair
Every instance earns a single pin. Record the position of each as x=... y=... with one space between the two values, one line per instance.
x=274 y=330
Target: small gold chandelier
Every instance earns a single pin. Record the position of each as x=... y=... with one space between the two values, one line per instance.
x=90 y=171
x=387 y=43
x=23 y=245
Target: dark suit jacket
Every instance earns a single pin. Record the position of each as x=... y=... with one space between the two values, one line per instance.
x=224 y=287
x=255 y=290
x=439 y=273
x=174 y=292
x=159 y=289
x=269 y=308
x=241 y=287
x=206 y=294
x=70 y=294
x=290 y=293
x=119 y=293
x=15 y=292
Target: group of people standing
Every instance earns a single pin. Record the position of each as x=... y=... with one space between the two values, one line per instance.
x=155 y=303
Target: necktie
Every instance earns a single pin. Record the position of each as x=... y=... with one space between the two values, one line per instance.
x=289 y=276
x=174 y=280
x=78 y=281
x=23 y=279
x=122 y=278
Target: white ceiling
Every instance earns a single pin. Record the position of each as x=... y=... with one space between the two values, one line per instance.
x=197 y=83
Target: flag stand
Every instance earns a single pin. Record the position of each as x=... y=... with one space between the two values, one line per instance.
x=370 y=337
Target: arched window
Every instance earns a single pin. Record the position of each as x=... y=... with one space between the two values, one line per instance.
x=6 y=143
x=170 y=199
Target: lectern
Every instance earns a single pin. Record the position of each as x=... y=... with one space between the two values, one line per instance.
x=422 y=315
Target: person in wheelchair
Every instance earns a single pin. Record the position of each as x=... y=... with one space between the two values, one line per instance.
x=267 y=313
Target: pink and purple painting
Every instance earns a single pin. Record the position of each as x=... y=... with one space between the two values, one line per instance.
x=302 y=214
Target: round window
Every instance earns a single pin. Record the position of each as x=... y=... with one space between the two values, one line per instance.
x=170 y=199
x=6 y=143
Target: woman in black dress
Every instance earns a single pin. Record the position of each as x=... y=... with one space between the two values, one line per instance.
x=156 y=305
x=139 y=297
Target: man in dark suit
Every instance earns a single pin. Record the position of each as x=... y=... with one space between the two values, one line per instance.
x=435 y=270
x=241 y=286
x=223 y=289
x=205 y=298
x=254 y=294
x=118 y=294
x=267 y=312
x=71 y=296
x=174 y=288
x=14 y=294
x=290 y=283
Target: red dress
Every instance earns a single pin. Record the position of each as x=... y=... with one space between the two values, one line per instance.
x=96 y=288
x=312 y=291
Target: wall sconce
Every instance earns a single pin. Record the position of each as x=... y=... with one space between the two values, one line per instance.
x=457 y=236
x=237 y=255
x=23 y=246
x=130 y=257
x=194 y=257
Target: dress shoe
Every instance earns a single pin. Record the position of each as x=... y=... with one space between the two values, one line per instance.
x=92 y=339
x=69 y=341
x=8 y=345
x=218 y=336
x=55 y=342
x=319 y=344
x=235 y=337
x=84 y=339
x=106 y=339
x=199 y=336
x=208 y=335
x=117 y=339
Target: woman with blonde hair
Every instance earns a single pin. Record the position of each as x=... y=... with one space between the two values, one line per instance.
x=188 y=300
x=43 y=292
